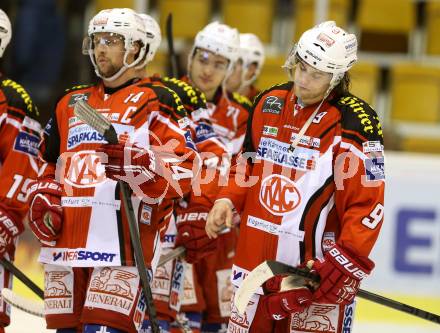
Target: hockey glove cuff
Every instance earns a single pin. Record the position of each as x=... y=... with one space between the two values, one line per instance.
x=10 y=228
x=341 y=272
x=279 y=304
x=192 y=235
x=45 y=213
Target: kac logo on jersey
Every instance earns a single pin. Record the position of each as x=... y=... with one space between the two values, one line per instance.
x=374 y=168
x=273 y=104
x=85 y=169
x=27 y=143
x=279 y=195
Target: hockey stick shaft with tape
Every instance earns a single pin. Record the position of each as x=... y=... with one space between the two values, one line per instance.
x=101 y=124
x=22 y=277
x=170 y=41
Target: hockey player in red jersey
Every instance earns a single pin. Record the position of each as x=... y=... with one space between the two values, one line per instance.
x=91 y=280
x=19 y=138
x=166 y=282
x=210 y=63
x=248 y=68
x=312 y=193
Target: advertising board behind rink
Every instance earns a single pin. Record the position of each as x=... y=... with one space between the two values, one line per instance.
x=407 y=253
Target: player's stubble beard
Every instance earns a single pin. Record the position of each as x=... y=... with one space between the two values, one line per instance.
x=109 y=71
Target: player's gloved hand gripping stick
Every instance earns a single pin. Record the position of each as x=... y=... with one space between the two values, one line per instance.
x=269 y=269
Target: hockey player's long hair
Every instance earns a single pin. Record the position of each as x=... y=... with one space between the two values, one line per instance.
x=343 y=87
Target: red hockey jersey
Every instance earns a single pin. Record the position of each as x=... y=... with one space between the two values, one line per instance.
x=95 y=231
x=19 y=138
x=330 y=188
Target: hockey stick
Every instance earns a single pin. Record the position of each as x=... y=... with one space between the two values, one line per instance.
x=268 y=269
x=22 y=277
x=27 y=305
x=102 y=125
x=170 y=41
x=173 y=254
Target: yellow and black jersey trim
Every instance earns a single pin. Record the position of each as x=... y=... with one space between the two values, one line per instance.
x=287 y=86
x=169 y=102
x=359 y=120
x=192 y=98
x=78 y=87
x=19 y=102
x=242 y=100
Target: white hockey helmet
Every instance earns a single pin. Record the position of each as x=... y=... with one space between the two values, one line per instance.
x=154 y=37
x=327 y=48
x=5 y=31
x=124 y=22
x=220 y=39
x=251 y=51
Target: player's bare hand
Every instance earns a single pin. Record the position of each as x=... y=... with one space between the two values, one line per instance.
x=219 y=217
x=311 y=283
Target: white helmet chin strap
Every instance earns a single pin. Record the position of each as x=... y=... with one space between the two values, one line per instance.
x=333 y=83
x=245 y=83
x=114 y=76
x=124 y=67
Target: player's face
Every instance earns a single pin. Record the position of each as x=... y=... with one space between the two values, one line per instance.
x=208 y=71
x=250 y=71
x=311 y=84
x=109 y=52
x=233 y=82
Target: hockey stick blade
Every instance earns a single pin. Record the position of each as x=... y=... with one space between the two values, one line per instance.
x=269 y=269
x=93 y=118
x=173 y=254
x=257 y=277
x=27 y=305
